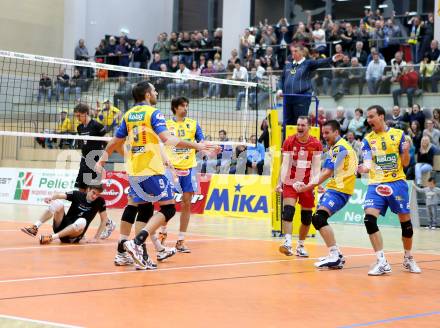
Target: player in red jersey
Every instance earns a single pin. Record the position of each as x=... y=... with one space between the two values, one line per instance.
x=300 y=165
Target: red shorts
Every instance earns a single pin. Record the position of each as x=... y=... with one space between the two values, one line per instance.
x=305 y=199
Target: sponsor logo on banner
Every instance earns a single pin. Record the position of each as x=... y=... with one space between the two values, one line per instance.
x=236 y=195
x=115 y=189
x=24 y=183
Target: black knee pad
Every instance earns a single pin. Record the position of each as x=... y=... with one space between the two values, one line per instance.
x=407 y=229
x=306 y=217
x=319 y=220
x=145 y=212
x=168 y=211
x=288 y=213
x=129 y=214
x=370 y=222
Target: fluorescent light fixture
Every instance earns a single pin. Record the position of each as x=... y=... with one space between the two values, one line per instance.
x=383 y=6
x=367 y=7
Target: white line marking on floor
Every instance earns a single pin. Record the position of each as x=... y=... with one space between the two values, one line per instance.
x=55 y=324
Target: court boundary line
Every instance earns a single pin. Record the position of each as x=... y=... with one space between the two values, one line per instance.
x=190 y=267
x=249 y=276
x=43 y=322
x=393 y=319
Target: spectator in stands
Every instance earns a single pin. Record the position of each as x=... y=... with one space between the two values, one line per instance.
x=161 y=47
x=392 y=38
x=62 y=82
x=161 y=83
x=433 y=53
x=432 y=195
x=108 y=115
x=415 y=133
x=342 y=120
x=123 y=50
x=184 y=49
x=284 y=38
x=360 y=53
x=206 y=43
x=411 y=168
x=260 y=71
x=372 y=52
x=240 y=73
x=194 y=47
x=224 y=157
x=425 y=159
x=339 y=50
x=241 y=94
x=100 y=51
x=426 y=36
x=255 y=156
x=174 y=66
x=415 y=29
x=356 y=75
x=340 y=78
x=65 y=126
x=76 y=84
x=268 y=37
x=213 y=88
x=232 y=59
x=334 y=35
x=322 y=77
x=427 y=69
x=397 y=65
x=375 y=73
x=357 y=124
x=81 y=52
x=194 y=85
x=123 y=93
x=318 y=37
x=155 y=64
x=111 y=57
x=202 y=62
x=44 y=87
x=415 y=113
x=433 y=134
x=397 y=119
x=409 y=83
x=247 y=41
x=356 y=144
x=140 y=55
x=217 y=42
x=348 y=37
x=436 y=117
x=173 y=43
x=269 y=59
x=180 y=84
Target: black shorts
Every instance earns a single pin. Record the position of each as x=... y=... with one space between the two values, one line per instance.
x=65 y=222
x=85 y=175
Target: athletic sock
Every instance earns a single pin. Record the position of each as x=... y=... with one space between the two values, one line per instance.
x=159 y=247
x=288 y=240
x=38 y=224
x=55 y=236
x=121 y=246
x=381 y=256
x=141 y=237
x=163 y=229
x=334 y=250
x=300 y=243
x=407 y=253
x=181 y=236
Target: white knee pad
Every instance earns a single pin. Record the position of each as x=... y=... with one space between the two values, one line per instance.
x=79 y=225
x=55 y=206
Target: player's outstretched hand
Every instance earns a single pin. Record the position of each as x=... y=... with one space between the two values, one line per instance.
x=92 y=241
x=301 y=187
x=47 y=200
x=208 y=148
x=321 y=189
x=338 y=57
x=279 y=188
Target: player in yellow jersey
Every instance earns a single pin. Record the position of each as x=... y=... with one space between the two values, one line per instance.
x=341 y=165
x=385 y=153
x=183 y=161
x=144 y=127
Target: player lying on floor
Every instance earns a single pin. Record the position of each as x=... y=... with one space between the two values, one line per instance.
x=71 y=227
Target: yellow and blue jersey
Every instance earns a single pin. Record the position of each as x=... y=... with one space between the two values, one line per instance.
x=109 y=117
x=343 y=162
x=384 y=149
x=141 y=125
x=188 y=130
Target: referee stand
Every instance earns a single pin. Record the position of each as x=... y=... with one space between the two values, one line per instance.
x=277 y=134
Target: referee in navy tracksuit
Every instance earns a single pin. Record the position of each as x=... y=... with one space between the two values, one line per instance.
x=297 y=79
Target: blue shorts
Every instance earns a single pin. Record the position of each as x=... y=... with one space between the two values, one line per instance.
x=388 y=194
x=333 y=200
x=150 y=188
x=187 y=180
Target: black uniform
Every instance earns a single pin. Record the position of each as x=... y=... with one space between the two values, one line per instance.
x=86 y=172
x=80 y=208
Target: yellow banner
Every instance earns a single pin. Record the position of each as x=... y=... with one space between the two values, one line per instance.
x=238 y=195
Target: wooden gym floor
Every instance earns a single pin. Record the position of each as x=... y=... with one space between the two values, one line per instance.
x=234 y=277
